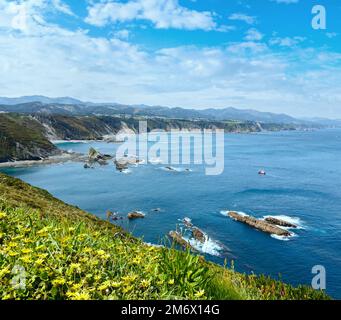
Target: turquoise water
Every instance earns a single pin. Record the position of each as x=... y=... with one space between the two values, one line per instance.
x=303 y=183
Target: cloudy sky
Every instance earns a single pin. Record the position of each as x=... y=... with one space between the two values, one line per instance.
x=259 y=54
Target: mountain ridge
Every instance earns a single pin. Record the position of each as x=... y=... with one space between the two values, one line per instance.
x=71 y=106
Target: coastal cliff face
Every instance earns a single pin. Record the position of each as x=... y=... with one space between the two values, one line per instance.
x=96 y=127
x=23 y=138
x=27 y=137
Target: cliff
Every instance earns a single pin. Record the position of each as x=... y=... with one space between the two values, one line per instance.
x=23 y=138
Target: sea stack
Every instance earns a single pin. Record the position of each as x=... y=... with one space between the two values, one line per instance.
x=135 y=215
x=259 y=224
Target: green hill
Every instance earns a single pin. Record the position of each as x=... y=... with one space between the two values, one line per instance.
x=67 y=253
x=22 y=138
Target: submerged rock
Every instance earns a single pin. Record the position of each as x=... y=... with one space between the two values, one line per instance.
x=135 y=215
x=259 y=224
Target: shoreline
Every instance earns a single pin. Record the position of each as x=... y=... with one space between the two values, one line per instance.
x=65 y=157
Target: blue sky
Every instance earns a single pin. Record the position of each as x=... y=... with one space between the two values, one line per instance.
x=257 y=54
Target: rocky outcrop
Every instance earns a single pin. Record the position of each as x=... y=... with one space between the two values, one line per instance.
x=259 y=224
x=198 y=235
x=279 y=222
x=124 y=162
x=187 y=222
x=178 y=238
x=94 y=157
x=135 y=215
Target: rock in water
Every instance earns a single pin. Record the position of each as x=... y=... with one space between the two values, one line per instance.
x=187 y=222
x=280 y=222
x=259 y=224
x=198 y=235
x=135 y=215
x=177 y=237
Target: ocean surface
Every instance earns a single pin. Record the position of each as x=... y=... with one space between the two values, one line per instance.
x=303 y=185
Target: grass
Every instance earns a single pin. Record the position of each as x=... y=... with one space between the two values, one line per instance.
x=61 y=252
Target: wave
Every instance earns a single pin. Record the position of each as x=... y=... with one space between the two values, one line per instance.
x=209 y=246
x=226 y=213
x=126 y=171
x=283 y=238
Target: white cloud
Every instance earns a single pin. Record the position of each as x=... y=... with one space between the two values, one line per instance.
x=243 y=17
x=163 y=14
x=27 y=16
x=123 y=34
x=50 y=60
x=286 y=41
x=253 y=35
x=331 y=35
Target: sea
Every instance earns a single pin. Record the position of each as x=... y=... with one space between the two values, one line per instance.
x=302 y=185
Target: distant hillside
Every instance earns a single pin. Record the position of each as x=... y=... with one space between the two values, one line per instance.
x=27 y=137
x=42 y=99
x=70 y=106
x=23 y=138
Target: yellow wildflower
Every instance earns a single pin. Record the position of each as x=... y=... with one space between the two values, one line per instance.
x=104 y=286
x=127 y=289
x=101 y=252
x=26 y=259
x=12 y=253
x=3 y=215
x=87 y=250
x=58 y=282
x=39 y=262
x=116 y=284
x=12 y=244
x=75 y=267
x=4 y=271
x=26 y=251
x=171 y=282
x=200 y=294
x=83 y=295
x=145 y=283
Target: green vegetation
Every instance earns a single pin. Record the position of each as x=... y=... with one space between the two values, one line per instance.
x=26 y=137
x=22 y=138
x=70 y=254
